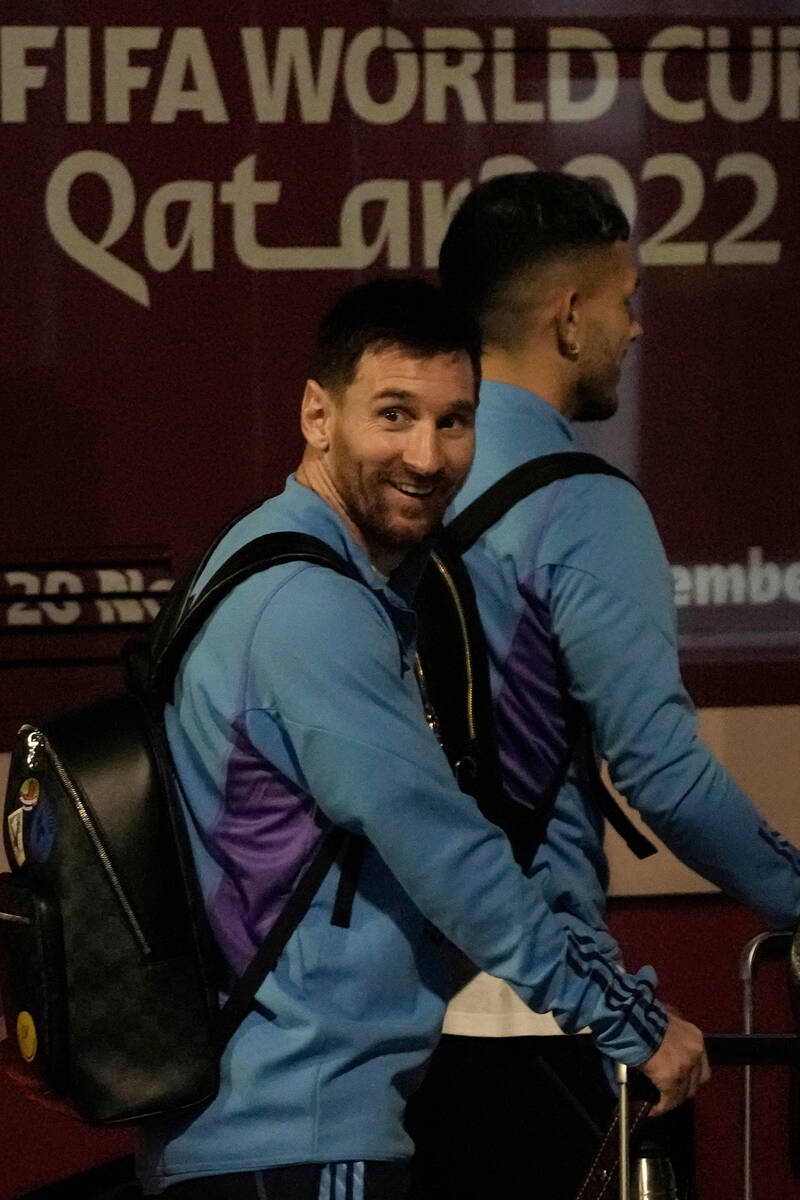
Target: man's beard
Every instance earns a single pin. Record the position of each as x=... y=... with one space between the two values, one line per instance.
x=383 y=536
x=372 y=516
x=593 y=403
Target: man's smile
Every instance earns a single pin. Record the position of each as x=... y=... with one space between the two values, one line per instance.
x=417 y=490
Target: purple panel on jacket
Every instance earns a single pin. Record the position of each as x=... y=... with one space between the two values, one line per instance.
x=532 y=707
x=266 y=833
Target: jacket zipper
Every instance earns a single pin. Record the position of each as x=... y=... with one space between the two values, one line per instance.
x=38 y=744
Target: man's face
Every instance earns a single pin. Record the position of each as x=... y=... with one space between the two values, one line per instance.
x=402 y=438
x=608 y=326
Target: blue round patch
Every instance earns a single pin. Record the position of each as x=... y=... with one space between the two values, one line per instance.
x=43 y=832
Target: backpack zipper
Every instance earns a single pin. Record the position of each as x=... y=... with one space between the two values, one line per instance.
x=462 y=620
x=427 y=706
x=38 y=744
x=33 y=742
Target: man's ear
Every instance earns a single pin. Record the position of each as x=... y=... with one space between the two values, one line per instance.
x=315 y=415
x=567 y=321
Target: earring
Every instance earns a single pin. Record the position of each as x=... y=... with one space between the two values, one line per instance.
x=571 y=350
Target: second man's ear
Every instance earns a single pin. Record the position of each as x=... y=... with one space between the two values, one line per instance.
x=567 y=325
x=315 y=415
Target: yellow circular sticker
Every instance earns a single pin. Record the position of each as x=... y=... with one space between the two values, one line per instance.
x=29 y=793
x=26 y=1036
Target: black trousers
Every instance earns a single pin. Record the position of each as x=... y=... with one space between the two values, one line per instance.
x=305 y=1181
x=518 y=1119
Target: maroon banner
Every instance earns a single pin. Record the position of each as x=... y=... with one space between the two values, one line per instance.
x=181 y=202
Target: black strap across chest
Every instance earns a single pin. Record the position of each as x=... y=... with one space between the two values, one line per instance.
x=465 y=529
x=185 y=612
x=458 y=536
x=152 y=667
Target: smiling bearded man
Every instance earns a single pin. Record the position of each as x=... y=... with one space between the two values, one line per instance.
x=389 y=450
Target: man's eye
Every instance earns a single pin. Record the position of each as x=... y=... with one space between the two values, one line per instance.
x=391 y=414
x=459 y=420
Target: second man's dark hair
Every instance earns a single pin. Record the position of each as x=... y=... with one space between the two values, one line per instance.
x=409 y=313
x=514 y=224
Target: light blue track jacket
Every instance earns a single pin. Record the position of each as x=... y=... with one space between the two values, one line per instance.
x=576 y=596
x=296 y=706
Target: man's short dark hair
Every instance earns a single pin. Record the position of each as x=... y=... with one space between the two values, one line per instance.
x=408 y=313
x=510 y=228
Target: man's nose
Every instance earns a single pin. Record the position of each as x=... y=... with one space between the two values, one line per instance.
x=636 y=329
x=422 y=451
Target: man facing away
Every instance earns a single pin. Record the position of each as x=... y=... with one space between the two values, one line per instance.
x=297 y=707
x=576 y=597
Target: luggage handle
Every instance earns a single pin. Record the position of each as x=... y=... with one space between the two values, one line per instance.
x=611 y=1164
x=624 y=1140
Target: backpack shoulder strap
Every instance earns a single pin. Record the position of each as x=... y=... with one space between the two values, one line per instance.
x=491 y=505
x=465 y=529
x=336 y=846
x=637 y=842
x=186 y=612
x=183 y=616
